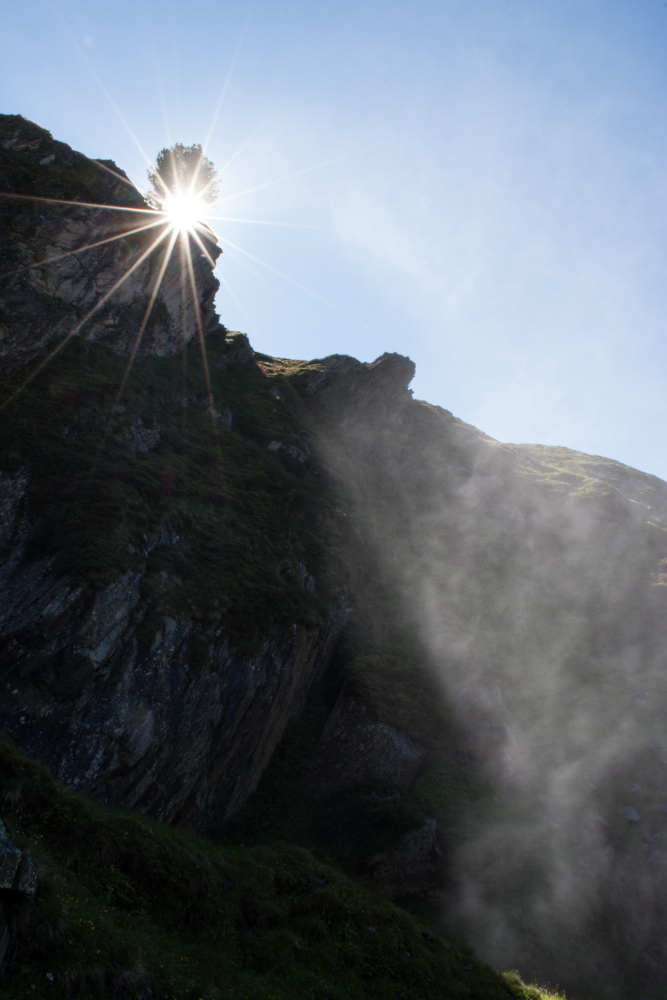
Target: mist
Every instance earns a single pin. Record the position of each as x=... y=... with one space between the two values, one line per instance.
x=532 y=577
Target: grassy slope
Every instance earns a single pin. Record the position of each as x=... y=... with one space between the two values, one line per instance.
x=125 y=904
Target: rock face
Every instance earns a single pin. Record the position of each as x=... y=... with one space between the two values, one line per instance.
x=535 y=578
x=360 y=384
x=145 y=728
x=52 y=286
x=18 y=882
x=127 y=692
x=354 y=748
x=411 y=869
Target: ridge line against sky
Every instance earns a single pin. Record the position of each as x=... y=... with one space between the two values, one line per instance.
x=494 y=204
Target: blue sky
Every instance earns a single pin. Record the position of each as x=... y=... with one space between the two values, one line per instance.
x=492 y=200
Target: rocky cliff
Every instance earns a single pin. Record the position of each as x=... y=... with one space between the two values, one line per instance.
x=159 y=624
x=191 y=541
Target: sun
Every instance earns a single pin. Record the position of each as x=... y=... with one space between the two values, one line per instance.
x=183 y=210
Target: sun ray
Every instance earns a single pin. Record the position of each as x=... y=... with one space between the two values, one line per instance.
x=249 y=139
x=98 y=305
x=144 y=321
x=119 y=177
x=287 y=177
x=261 y=222
x=204 y=355
x=238 y=303
x=218 y=106
x=285 y=277
x=242 y=147
x=195 y=236
x=88 y=246
x=228 y=78
x=79 y=204
x=260 y=277
x=105 y=91
x=158 y=76
x=200 y=327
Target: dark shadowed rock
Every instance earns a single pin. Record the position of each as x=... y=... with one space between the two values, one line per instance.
x=146 y=728
x=408 y=870
x=239 y=351
x=355 y=748
x=18 y=881
x=10 y=860
x=359 y=383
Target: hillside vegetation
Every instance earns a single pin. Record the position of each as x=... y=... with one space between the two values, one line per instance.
x=130 y=908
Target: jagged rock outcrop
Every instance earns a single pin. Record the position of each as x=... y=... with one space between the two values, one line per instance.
x=355 y=748
x=52 y=286
x=362 y=383
x=535 y=579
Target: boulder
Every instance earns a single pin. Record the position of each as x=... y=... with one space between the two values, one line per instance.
x=355 y=748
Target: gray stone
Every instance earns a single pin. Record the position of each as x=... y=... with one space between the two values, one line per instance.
x=385 y=378
x=137 y=726
x=26 y=880
x=354 y=748
x=10 y=859
x=143 y=438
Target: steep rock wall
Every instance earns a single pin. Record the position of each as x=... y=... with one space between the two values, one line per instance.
x=152 y=648
x=167 y=689
x=145 y=728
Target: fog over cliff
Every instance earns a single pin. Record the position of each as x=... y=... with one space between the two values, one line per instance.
x=532 y=577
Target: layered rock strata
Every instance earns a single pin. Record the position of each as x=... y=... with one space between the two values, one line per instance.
x=178 y=719
x=145 y=728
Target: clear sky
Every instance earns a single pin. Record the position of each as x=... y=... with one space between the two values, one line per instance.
x=492 y=200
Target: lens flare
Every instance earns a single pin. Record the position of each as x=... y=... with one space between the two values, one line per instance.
x=183 y=210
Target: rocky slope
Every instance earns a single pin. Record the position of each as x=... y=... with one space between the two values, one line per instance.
x=190 y=543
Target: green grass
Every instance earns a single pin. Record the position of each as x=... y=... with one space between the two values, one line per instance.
x=125 y=904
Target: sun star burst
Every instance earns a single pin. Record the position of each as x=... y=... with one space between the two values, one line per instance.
x=183 y=210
